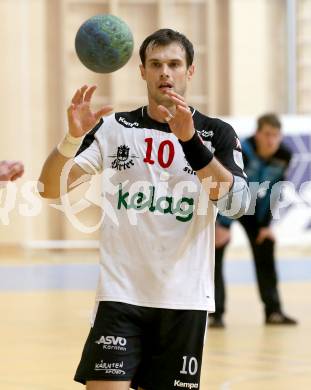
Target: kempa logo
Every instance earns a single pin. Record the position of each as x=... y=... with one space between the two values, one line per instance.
x=186 y=385
x=123 y=120
x=110 y=368
x=112 y=342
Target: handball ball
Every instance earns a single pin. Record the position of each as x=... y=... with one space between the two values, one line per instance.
x=104 y=43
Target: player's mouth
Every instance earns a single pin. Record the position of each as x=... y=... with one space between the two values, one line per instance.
x=166 y=86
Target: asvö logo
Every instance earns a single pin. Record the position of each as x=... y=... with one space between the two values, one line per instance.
x=113 y=342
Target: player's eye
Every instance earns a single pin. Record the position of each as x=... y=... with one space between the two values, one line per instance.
x=155 y=64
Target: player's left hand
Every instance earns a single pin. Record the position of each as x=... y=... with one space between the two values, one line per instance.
x=265 y=233
x=181 y=123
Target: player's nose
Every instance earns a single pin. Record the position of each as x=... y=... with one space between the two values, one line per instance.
x=164 y=71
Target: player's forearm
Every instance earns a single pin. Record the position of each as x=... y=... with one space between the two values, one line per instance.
x=218 y=178
x=230 y=193
x=235 y=203
x=51 y=173
x=53 y=167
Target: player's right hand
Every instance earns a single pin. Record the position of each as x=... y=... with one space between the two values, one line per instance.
x=81 y=118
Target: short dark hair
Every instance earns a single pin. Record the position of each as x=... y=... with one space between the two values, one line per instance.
x=268 y=119
x=164 y=37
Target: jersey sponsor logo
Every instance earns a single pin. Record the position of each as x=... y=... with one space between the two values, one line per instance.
x=123 y=159
x=110 y=368
x=121 y=119
x=206 y=133
x=113 y=342
x=181 y=207
x=188 y=169
x=185 y=385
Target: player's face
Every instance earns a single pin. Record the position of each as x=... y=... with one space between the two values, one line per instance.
x=165 y=69
x=268 y=140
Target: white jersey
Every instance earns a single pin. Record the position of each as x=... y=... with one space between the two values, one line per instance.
x=157 y=236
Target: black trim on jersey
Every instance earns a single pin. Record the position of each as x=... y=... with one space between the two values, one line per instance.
x=223 y=139
x=89 y=138
x=140 y=119
x=148 y=122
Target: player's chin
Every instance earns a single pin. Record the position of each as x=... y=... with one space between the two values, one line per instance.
x=164 y=100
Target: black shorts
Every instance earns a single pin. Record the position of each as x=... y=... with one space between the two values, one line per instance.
x=156 y=349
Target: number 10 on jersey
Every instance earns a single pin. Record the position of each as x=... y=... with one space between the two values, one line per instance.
x=165 y=147
x=190 y=365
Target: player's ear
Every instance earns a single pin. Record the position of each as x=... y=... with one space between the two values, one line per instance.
x=190 y=71
x=142 y=71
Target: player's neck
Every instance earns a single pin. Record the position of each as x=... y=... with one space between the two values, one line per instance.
x=153 y=112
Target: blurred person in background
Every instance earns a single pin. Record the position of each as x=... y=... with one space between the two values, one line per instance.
x=266 y=159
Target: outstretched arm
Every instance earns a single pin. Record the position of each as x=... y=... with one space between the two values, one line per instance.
x=80 y=121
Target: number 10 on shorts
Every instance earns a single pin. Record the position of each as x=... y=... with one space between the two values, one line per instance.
x=190 y=365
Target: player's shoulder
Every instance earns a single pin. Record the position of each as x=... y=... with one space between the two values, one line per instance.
x=210 y=127
x=129 y=119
